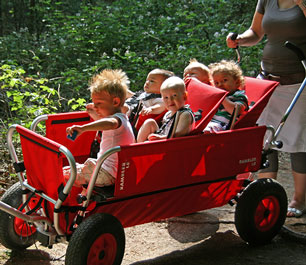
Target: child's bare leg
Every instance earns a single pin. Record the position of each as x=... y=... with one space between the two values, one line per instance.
x=148 y=127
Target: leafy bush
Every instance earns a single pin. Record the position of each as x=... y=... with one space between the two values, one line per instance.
x=74 y=40
x=24 y=98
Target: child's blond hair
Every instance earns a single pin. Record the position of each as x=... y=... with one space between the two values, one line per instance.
x=114 y=82
x=174 y=82
x=196 y=65
x=230 y=68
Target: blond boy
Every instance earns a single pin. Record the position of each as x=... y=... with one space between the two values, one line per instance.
x=108 y=92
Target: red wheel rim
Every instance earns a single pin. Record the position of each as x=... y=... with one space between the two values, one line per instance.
x=267 y=213
x=103 y=250
x=21 y=227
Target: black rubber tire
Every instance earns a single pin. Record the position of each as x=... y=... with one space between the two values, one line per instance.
x=99 y=239
x=8 y=235
x=261 y=211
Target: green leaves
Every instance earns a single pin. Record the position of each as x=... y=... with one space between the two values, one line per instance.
x=24 y=98
x=50 y=60
x=77 y=103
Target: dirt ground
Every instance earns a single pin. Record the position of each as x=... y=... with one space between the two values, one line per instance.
x=207 y=237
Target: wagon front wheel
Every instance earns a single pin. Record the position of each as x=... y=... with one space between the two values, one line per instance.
x=261 y=211
x=15 y=233
x=99 y=239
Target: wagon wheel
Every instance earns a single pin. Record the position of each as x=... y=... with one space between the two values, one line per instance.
x=99 y=239
x=15 y=233
x=261 y=211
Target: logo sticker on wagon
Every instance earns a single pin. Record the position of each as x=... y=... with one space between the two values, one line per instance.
x=251 y=160
x=124 y=166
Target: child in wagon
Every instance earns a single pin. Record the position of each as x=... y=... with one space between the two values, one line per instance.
x=150 y=98
x=174 y=95
x=199 y=71
x=227 y=75
x=108 y=92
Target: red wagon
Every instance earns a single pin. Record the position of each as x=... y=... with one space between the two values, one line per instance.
x=155 y=180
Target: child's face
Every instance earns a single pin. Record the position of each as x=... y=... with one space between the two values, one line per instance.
x=153 y=83
x=226 y=82
x=197 y=73
x=105 y=104
x=173 y=98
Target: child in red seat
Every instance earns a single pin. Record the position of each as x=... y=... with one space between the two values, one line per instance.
x=174 y=95
x=108 y=92
x=199 y=71
x=227 y=75
x=150 y=99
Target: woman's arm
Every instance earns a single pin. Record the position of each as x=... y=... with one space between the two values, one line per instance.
x=251 y=36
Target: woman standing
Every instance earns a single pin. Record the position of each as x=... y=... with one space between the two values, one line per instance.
x=281 y=21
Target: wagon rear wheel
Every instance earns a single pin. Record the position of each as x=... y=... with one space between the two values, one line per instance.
x=261 y=211
x=15 y=233
x=99 y=239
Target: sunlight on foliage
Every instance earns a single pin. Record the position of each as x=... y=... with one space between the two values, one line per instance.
x=49 y=56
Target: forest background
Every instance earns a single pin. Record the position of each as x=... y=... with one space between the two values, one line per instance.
x=50 y=49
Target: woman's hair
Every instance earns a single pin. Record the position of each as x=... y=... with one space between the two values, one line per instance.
x=114 y=82
x=230 y=68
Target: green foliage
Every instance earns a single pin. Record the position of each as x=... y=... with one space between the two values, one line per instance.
x=72 y=40
x=24 y=98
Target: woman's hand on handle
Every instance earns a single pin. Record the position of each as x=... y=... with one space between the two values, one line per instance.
x=231 y=41
x=250 y=37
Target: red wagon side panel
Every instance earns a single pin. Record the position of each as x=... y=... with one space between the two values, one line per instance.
x=159 y=165
x=183 y=175
x=169 y=203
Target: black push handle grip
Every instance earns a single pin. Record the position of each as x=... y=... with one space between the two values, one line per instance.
x=234 y=36
x=296 y=50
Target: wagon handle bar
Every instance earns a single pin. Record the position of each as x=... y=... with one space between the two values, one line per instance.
x=234 y=37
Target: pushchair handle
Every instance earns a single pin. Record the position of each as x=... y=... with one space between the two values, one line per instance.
x=234 y=36
x=296 y=50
